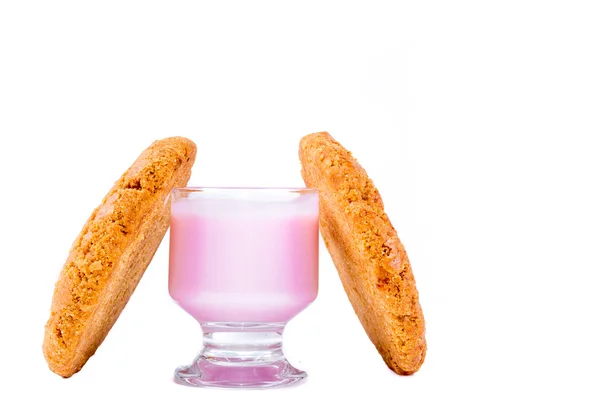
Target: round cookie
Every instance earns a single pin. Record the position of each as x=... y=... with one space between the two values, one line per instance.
x=110 y=255
x=370 y=259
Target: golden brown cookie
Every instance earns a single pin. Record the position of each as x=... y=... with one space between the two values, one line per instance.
x=369 y=257
x=110 y=255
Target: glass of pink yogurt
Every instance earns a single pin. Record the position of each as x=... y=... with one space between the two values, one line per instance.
x=243 y=262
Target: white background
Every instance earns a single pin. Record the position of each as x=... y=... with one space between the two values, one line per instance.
x=478 y=121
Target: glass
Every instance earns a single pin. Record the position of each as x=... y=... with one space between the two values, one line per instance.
x=243 y=262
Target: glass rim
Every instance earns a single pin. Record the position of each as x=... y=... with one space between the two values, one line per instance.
x=248 y=189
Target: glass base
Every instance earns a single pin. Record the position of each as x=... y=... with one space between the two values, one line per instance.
x=240 y=355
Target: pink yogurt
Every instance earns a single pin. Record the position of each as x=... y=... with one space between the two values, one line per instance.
x=244 y=255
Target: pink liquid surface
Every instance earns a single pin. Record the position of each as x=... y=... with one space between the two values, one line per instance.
x=243 y=260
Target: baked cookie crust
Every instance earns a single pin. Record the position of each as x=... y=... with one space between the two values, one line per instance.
x=369 y=257
x=110 y=255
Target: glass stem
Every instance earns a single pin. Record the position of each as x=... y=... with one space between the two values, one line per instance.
x=243 y=343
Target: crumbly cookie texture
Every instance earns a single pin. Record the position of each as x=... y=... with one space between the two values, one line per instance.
x=370 y=259
x=110 y=255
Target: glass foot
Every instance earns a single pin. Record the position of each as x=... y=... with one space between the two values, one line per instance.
x=240 y=356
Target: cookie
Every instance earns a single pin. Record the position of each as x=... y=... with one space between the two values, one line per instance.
x=370 y=259
x=110 y=255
